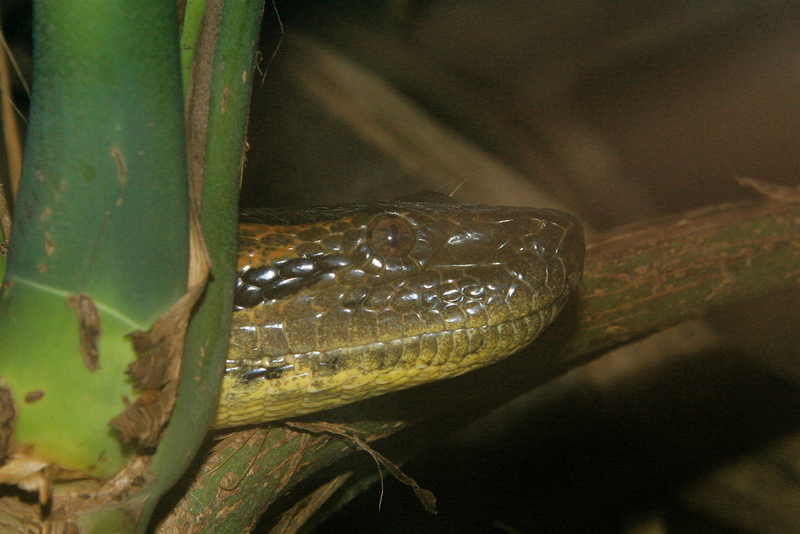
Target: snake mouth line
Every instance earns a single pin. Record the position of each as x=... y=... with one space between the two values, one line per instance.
x=321 y=380
x=332 y=361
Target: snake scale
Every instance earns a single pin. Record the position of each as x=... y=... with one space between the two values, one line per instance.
x=341 y=303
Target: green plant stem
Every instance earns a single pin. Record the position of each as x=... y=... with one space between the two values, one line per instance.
x=219 y=111
x=101 y=214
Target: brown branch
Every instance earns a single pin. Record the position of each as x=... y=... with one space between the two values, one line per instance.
x=637 y=281
x=13 y=144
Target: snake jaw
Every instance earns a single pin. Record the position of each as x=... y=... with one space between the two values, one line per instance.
x=334 y=311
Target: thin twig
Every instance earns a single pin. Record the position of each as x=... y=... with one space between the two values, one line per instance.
x=11 y=139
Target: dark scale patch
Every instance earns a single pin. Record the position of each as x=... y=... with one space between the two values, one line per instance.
x=284 y=287
x=260 y=276
x=297 y=267
x=284 y=279
x=332 y=262
x=247 y=296
x=258 y=373
x=329 y=363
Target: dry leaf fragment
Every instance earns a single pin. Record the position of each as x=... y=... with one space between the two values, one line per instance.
x=8 y=412
x=28 y=474
x=425 y=497
x=88 y=329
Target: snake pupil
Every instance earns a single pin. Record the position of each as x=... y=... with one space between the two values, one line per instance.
x=391 y=236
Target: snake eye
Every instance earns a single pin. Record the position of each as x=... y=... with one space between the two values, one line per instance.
x=391 y=236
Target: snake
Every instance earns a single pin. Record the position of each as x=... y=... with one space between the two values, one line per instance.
x=340 y=303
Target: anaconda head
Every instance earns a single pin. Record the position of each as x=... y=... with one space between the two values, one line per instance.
x=341 y=303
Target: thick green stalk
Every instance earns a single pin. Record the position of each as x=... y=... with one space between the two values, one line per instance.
x=220 y=110
x=101 y=214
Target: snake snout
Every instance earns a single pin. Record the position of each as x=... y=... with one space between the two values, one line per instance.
x=561 y=238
